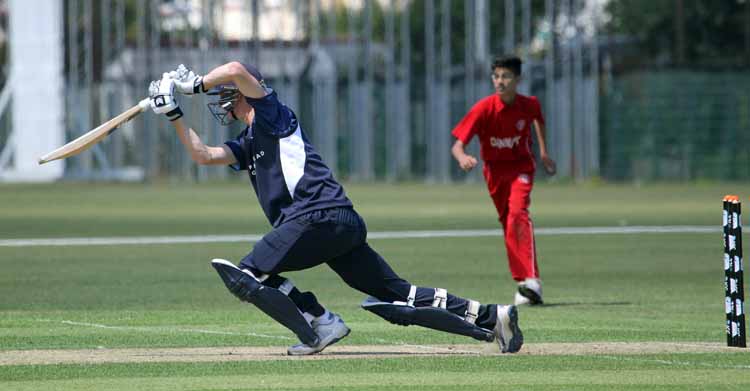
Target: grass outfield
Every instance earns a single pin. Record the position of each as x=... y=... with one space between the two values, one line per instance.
x=640 y=289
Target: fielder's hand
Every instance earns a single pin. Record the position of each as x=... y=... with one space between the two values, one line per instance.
x=187 y=82
x=467 y=162
x=549 y=165
x=161 y=93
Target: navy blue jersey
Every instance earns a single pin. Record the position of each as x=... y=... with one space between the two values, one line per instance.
x=288 y=175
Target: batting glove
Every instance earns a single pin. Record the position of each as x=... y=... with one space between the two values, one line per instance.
x=187 y=82
x=161 y=93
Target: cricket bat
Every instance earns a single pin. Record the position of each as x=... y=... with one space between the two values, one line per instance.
x=93 y=136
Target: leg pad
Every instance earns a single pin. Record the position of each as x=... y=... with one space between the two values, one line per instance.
x=273 y=302
x=435 y=318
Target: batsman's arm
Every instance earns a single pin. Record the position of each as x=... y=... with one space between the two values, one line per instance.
x=235 y=73
x=200 y=152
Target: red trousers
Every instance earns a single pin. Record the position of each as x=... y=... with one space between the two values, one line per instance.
x=510 y=192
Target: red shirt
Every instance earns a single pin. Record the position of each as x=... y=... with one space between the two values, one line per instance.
x=504 y=130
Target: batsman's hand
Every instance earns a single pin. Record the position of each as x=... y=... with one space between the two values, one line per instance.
x=467 y=162
x=187 y=82
x=161 y=93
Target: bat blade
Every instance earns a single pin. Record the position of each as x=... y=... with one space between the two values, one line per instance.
x=95 y=135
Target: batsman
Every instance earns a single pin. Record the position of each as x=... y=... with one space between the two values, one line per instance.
x=313 y=221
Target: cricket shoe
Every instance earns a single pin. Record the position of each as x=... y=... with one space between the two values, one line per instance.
x=507 y=333
x=529 y=292
x=329 y=330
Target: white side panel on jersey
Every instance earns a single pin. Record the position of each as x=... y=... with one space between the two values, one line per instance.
x=35 y=32
x=292 y=156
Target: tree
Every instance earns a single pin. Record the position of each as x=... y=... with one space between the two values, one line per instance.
x=713 y=33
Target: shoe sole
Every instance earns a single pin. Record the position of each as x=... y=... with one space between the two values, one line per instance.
x=534 y=298
x=516 y=341
x=348 y=331
x=291 y=353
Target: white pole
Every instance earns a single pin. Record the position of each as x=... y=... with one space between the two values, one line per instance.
x=35 y=28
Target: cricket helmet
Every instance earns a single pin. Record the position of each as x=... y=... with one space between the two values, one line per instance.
x=223 y=108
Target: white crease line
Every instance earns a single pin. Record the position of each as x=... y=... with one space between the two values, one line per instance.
x=680 y=363
x=163 y=329
x=143 y=240
x=123 y=240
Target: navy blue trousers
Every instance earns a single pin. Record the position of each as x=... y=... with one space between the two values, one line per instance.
x=338 y=238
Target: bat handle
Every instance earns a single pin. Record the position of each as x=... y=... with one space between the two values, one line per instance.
x=144 y=104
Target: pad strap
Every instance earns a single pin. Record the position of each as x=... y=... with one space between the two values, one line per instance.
x=412 y=296
x=441 y=298
x=286 y=287
x=472 y=311
x=262 y=277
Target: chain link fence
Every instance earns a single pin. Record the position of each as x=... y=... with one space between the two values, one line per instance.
x=678 y=125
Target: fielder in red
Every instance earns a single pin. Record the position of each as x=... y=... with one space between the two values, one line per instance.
x=503 y=121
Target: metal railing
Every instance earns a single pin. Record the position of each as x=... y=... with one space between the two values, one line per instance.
x=378 y=85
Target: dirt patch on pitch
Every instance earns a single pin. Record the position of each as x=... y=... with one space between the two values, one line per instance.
x=97 y=356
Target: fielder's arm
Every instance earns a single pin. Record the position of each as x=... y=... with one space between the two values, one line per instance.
x=235 y=73
x=465 y=161
x=200 y=152
x=541 y=136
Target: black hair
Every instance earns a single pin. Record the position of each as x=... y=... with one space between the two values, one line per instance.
x=509 y=62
